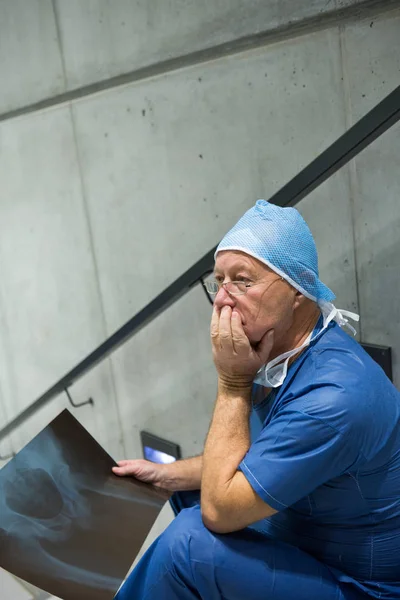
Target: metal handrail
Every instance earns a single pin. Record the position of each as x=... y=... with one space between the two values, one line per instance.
x=359 y=136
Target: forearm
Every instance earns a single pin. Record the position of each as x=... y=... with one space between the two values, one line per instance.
x=227 y=443
x=183 y=474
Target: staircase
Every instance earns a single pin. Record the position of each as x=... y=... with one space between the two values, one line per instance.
x=12 y=588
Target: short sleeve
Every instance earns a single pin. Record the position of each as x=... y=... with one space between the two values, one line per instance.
x=296 y=453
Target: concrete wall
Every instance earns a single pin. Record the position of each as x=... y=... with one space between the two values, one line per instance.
x=128 y=168
x=11 y=589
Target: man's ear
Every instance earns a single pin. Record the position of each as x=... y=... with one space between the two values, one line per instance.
x=299 y=300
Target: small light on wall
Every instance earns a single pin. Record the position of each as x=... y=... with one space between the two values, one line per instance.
x=159 y=450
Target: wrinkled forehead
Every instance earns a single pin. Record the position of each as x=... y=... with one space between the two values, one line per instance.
x=234 y=260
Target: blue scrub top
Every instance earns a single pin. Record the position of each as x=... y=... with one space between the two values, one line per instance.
x=325 y=453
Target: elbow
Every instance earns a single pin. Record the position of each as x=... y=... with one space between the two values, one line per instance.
x=214 y=521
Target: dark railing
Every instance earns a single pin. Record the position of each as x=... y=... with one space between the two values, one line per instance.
x=358 y=137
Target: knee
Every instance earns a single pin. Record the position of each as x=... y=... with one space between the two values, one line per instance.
x=186 y=523
x=184 y=535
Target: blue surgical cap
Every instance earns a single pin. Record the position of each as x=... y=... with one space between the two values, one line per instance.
x=280 y=238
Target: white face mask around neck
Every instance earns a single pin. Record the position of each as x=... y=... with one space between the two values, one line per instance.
x=274 y=373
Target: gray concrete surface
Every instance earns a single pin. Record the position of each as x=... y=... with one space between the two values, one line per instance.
x=100 y=42
x=30 y=59
x=67 y=49
x=107 y=199
x=47 y=267
x=11 y=589
x=376 y=184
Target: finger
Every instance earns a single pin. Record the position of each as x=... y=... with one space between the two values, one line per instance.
x=265 y=346
x=122 y=463
x=239 y=338
x=121 y=471
x=128 y=469
x=214 y=328
x=225 y=329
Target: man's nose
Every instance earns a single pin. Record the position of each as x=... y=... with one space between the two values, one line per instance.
x=224 y=299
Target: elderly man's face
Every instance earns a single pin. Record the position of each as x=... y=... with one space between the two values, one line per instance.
x=268 y=305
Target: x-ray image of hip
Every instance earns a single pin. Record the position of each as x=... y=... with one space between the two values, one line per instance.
x=67 y=524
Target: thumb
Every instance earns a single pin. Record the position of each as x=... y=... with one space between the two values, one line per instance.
x=265 y=346
x=124 y=468
x=120 y=470
x=123 y=463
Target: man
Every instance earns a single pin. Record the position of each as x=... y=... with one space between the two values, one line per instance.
x=300 y=476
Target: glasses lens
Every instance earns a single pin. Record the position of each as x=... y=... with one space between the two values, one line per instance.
x=212 y=287
x=236 y=288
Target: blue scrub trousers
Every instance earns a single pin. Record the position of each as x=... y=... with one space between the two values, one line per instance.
x=189 y=562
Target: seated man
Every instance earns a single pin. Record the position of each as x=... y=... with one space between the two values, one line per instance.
x=300 y=476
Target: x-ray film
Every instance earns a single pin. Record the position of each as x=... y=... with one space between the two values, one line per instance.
x=68 y=525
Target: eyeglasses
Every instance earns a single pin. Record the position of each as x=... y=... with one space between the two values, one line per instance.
x=234 y=288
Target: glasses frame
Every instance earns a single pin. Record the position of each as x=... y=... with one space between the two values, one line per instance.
x=225 y=285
